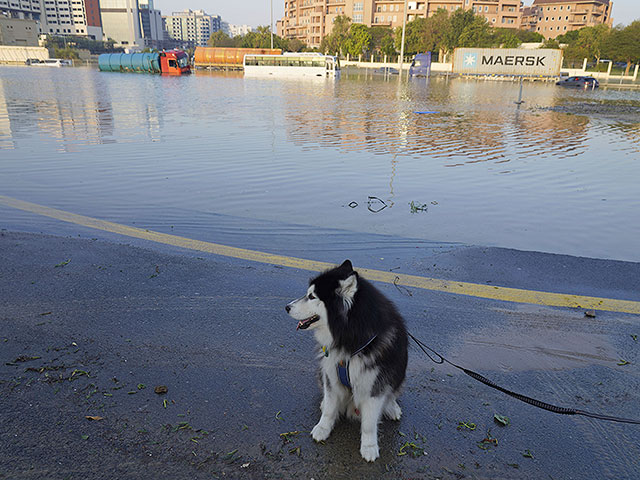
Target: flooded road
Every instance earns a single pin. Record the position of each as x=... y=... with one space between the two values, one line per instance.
x=222 y=158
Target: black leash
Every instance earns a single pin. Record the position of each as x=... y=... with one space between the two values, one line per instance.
x=439 y=359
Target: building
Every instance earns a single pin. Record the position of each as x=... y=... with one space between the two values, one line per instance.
x=191 y=28
x=23 y=10
x=238 y=30
x=311 y=21
x=551 y=18
x=18 y=32
x=133 y=24
x=71 y=17
x=150 y=24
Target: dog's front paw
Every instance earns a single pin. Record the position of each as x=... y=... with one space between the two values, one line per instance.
x=320 y=432
x=392 y=411
x=369 y=452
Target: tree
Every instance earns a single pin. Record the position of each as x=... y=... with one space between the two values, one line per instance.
x=380 y=37
x=415 y=36
x=476 y=34
x=551 y=43
x=623 y=44
x=591 y=39
x=334 y=42
x=295 y=45
x=387 y=46
x=509 y=40
x=220 y=39
x=460 y=20
x=358 y=39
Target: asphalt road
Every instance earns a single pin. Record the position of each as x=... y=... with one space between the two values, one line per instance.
x=89 y=328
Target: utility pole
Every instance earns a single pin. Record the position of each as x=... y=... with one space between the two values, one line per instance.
x=404 y=27
x=271 y=28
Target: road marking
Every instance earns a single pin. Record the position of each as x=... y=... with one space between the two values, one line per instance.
x=459 y=288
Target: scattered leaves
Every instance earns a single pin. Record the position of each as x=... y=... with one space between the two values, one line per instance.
x=94 y=418
x=26 y=358
x=488 y=442
x=160 y=389
x=287 y=435
x=296 y=450
x=467 y=425
x=623 y=362
x=78 y=373
x=278 y=417
x=527 y=454
x=634 y=337
x=501 y=419
x=411 y=448
x=62 y=264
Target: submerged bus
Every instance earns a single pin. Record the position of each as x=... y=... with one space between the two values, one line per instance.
x=292 y=65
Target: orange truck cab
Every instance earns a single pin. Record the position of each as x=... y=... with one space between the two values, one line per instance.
x=174 y=62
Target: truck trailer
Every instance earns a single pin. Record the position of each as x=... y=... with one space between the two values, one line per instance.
x=172 y=62
x=227 y=57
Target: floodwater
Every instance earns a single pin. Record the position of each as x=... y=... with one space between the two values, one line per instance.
x=445 y=160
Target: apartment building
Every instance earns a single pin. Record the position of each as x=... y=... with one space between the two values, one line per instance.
x=311 y=20
x=71 y=17
x=23 y=9
x=551 y=18
x=191 y=28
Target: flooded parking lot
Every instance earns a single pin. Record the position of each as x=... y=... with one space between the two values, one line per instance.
x=219 y=157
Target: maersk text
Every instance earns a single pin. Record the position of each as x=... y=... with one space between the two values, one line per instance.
x=529 y=61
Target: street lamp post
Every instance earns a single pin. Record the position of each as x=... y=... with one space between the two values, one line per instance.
x=404 y=27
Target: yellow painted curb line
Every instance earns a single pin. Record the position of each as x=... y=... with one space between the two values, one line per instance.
x=459 y=288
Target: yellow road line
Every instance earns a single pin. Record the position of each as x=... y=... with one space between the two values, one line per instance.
x=459 y=288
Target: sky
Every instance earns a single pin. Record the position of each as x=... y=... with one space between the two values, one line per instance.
x=257 y=12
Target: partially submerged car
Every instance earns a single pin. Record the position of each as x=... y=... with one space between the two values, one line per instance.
x=581 y=82
x=387 y=71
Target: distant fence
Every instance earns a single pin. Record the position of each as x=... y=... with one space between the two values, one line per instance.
x=18 y=55
x=604 y=71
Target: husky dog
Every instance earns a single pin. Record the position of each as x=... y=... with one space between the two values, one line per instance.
x=363 y=356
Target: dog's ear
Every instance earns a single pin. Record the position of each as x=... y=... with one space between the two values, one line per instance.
x=346 y=266
x=348 y=287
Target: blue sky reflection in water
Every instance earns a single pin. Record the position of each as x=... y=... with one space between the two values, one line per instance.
x=217 y=153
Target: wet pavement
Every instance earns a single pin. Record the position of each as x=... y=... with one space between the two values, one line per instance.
x=89 y=328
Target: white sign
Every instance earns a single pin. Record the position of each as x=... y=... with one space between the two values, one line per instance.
x=507 y=61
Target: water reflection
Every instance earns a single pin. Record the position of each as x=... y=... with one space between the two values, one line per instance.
x=137 y=146
x=468 y=124
x=75 y=107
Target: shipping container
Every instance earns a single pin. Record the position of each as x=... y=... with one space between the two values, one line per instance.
x=227 y=57
x=507 y=61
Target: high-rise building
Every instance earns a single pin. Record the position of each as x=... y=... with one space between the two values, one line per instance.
x=71 y=17
x=150 y=24
x=24 y=9
x=121 y=22
x=551 y=18
x=311 y=20
x=131 y=23
x=191 y=28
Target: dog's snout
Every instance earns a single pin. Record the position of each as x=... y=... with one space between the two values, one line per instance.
x=288 y=308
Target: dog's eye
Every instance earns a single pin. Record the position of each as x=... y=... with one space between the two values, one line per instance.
x=311 y=296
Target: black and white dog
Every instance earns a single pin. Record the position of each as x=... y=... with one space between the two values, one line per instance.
x=363 y=357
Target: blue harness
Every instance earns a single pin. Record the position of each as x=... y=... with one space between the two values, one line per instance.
x=343 y=369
